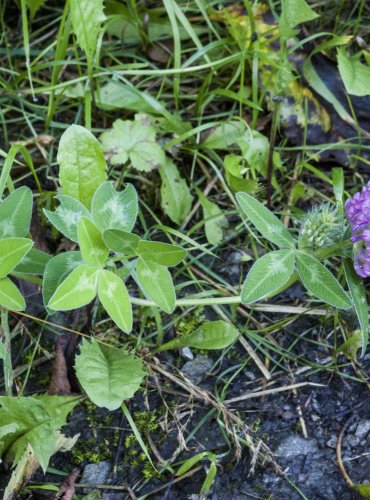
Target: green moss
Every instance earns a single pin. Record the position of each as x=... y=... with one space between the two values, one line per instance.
x=146 y=422
x=190 y=322
x=102 y=441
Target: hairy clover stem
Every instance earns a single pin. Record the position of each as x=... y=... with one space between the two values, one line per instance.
x=7 y=362
x=192 y=302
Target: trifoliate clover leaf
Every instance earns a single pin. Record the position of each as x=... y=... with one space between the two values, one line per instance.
x=134 y=141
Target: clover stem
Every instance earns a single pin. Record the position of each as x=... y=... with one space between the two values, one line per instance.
x=207 y=301
x=7 y=366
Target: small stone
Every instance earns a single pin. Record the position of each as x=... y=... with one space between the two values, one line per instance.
x=187 y=354
x=96 y=474
x=332 y=442
x=197 y=369
x=363 y=429
x=235 y=257
x=296 y=445
x=249 y=375
x=351 y=440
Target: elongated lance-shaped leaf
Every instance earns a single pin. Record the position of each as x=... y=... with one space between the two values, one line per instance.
x=176 y=199
x=211 y=335
x=93 y=249
x=10 y=296
x=162 y=253
x=15 y=213
x=320 y=282
x=113 y=295
x=87 y=18
x=82 y=166
x=265 y=221
x=66 y=216
x=157 y=284
x=113 y=209
x=77 y=290
x=121 y=241
x=108 y=375
x=358 y=294
x=268 y=274
x=214 y=220
x=12 y=251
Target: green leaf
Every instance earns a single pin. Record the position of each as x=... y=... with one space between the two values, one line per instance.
x=190 y=462
x=176 y=199
x=210 y=336
x=268 y=274
x=34 y=6
x=338 y=185
x=78 y=289
x=112 y=209
x=294 y=12
x=255 y=147
x=15 y=213
x=34 y=262
x=237 y=170
x=108 y=375
x=320 y=282
x=66 y=216
x=214 y=220
x=82 y=166
x=121 y=241
x=56 y=270
x=12 y=251
x=354 y=73
x=10 y=296
x=93 y=249
x=37 y=421
x=87 y=17
x=363 y=490
x=118 y=95
x=157 y=284
x=224 y=135
x=265 y=221
x=358 y=294
x=113 y=295
x=161 y=253
x=210 y=477
x=134 y=141
x=3 y=355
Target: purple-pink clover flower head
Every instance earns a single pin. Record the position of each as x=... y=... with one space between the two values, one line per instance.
x=357 y=210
